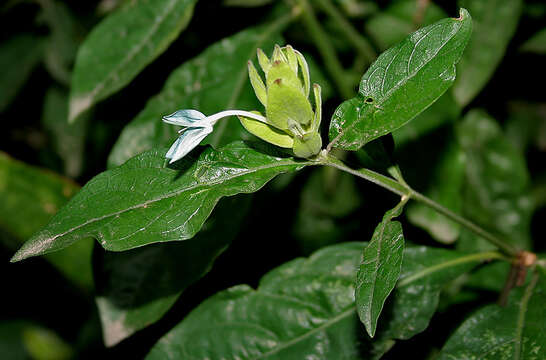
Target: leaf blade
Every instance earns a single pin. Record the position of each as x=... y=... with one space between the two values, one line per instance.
x=172 y=205
x=393 y=92
x=121 y=46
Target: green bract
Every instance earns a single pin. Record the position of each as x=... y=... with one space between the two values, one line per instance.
x=291 y=122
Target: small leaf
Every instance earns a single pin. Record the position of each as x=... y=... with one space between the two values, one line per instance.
x=445 y=188
x=68 y=139
x=302 y=309
x=122 y=45
x=380 y=267
x=401 y=83
x=135 y=288
x=266 y=132
x=142 y=202
x=516 y=331
x=30 y=197
x=215 y=80
x=18 y=57
x=494 y=25
x=536 y=43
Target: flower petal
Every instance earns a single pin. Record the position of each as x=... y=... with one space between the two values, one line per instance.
x=185 y=143
x=187 y=117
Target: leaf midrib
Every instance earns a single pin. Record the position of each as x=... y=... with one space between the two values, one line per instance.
x=178 y=192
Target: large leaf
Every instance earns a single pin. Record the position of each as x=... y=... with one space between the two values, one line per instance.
x=401 y=83
x=302 y=309
x=122 y=45
x=496 y=191
x=392 y=25
x=144 y=202
x=495 y=22
x=30 y=197
x=445 y=188
x=517 y=331
x=425 y=271
x=18 y=57
x=214 y=81
x=136 y=288
x=380 y=268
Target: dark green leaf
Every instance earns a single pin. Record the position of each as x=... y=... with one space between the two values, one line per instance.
x=136 y=288
x=445 y=188
x=327 y=197
x=302 y=309
x=142 y=202
x=496 y=191
x=399 y=20
x=18 y=57
x=401 y=83
x=122 y=45
x=536 y=43
x=517 y=331
x=425 y=271
x=30 y=197
x=526 y=125
x=68 y=139
x=380 y=268
x=494 y=25
x=214 y=81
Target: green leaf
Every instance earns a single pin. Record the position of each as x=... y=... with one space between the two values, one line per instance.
x=142 y=202
x=30 y=197
x=122 y=45
x=495 y=23
x=215 y=80
x=496 y=191
x=526 y=125
x=445 y=188
x=516 y=331
x=18 y=57
x=302 y=309
x=425 y=271
x=536 y=43
x=68 y=139
x=401 y=83
x=328 y=196
x=399 y=20
x=135 y=288
x=380 y=268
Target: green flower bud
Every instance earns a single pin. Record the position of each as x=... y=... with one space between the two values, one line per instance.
x=290 y=120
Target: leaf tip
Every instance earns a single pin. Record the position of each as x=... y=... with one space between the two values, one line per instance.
x=78 y=105
x=463 y=15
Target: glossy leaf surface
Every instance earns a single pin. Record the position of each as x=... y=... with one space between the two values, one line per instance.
x=30 y=197
x=401 y=83
x=494 y=25
x=135 y=288
x=215 y=80
x=380 y=268
x=122 y=45
x=516 y=331
x=143 y=202
x=304 y=308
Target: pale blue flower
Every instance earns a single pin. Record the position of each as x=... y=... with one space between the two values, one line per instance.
x=196 y=127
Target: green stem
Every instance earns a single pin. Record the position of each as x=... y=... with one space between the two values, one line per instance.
x=358 y=41
x=403 y=189
x=326 y=49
